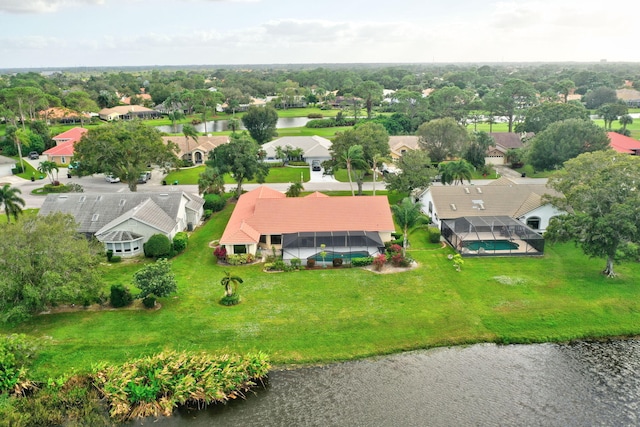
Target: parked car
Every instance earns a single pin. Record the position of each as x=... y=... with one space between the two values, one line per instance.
x=112 y=179
x=316 y=166
x=73 y=165
x=144 y=177
x=34 y=155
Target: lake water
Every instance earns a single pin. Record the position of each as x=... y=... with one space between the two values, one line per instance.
x=578 y=384
x=222 y=125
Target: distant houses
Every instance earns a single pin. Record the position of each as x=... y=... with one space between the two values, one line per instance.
x=128 y=112
x=196 y=152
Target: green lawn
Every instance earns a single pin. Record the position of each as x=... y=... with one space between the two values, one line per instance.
x=285 y=174
x=337 y=314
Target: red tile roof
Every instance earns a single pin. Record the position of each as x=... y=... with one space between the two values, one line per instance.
x=73 y=134
x=623 y=144
x=63 y=149
x=266 y=211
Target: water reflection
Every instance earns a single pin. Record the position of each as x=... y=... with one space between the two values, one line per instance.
x=223 y=125
x=551 y=385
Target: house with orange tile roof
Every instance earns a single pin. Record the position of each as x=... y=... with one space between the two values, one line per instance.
x=63 y=152
x=624 y=144
x=297 y=227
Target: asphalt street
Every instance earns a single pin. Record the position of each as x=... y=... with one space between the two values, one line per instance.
x=97 y=184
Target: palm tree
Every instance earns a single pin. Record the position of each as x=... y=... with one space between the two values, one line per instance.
x=230 y=283
x=189 y=131
x=295 y=189
x=625 y=120
x=233 y=124
x=13 y=203
x=406 y=215
x=47 y=167
x=456 y=172
x=351 y=159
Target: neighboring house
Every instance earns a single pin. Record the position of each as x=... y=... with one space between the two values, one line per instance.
x=63 y=115
x=624 y=144
x=297 y=226
x=313 y=147
x=6 y=164
x=123 y=222
x=503 y=142
x=128 y=112
x=63 y=152
x=631 y=97
x=142 y=96
x=400 y=144
x=196 y=151
x=501 y=197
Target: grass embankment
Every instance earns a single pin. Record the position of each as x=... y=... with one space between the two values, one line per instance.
x=189 y=176
x=337 y=314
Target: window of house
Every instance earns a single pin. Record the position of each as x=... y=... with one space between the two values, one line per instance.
x=276 y=239
x=263 y=238
x=533 y=222
x=239 y=249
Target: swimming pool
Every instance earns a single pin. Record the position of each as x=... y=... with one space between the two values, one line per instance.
x=491 y=245
x=346 y=256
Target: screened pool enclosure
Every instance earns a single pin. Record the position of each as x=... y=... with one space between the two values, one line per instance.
x=337 y=244
x=491 y=236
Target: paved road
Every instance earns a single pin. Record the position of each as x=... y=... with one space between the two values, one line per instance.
x=97 y=184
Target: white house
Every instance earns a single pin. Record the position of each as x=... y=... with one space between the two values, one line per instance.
x=313 y=147
x=125 y=221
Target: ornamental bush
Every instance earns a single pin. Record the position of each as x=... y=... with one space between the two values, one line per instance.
x=240 y=259
x=311 y=263
x=379 y=262
x=362 y=262
x=214 y=202
x=220 y=252
x=434 y=235
x=337 y=262
x=180 y=241
x=156 y=278
x=120 y=296
x=157 y=246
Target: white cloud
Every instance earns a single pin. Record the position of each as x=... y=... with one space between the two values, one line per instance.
x=41 y=6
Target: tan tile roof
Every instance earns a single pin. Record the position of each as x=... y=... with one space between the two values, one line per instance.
x=501 y=197
x=266 y=211
x=507 y=139
x=204 y=143
x=398 y=142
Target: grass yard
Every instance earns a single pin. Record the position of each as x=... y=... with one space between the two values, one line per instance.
x=327 y=315
x=189 y=176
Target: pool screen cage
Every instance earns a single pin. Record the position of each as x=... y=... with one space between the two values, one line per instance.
x=491 y=236
x=337 y=244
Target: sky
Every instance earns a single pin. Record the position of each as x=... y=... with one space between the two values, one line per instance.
x=90 y=33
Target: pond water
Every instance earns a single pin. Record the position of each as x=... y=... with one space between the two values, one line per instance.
x=222 y=125
x=578 y=384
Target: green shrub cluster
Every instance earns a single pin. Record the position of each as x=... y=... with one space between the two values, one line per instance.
x=230 y=300
x=149 y=301
x=60 y=188
x=207 y=214
x=16 y=352
x=361 y=262
x=120 y=296
x=115 y=259
x=311 y=263
x=214 y=202
x=329 y=123
x=180 y=241
x=157 y=246
x=280 y=265
x=240 y=259
x=315 y=116
x=155 y=279
x=298 y=164
x=434 y=235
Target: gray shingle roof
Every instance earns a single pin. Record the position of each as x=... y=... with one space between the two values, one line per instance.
x=94 y=211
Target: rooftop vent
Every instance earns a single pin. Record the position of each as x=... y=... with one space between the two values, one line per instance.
x=82 y=199
x=466 y=190
x=122 y=202
x=95 y=217
x=479 y=190
x=453 y=207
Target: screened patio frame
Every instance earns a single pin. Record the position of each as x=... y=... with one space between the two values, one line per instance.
x=304 y=245
x=486 y=231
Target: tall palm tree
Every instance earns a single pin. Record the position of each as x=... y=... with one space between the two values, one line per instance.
x=13 y=203
x=48 y=167
x=406 y=214
x=456 y=172
x=189 y=131
x=230 y=283
x=351 y=159
x=295 y=189
x=625 y=120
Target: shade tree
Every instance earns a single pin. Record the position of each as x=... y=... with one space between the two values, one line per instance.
x=442 y=138
x=414 y=171
x=261 y=123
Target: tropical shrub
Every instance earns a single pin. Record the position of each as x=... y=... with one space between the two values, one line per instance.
x=109 y=255
x=230 y=300
x=314 y=116
x=379 y=262
x=214 y=202
x=180 y=241
x=149 y=301
x=337 y=262
x=157 y=246
x=120 y=296
x=115 y=259
x=207 y=214
x=220 y=252
x=394 y=249
x=298 y=164
x=434 y=235
x=399 y=260
x=361 y=262
x=16 y=352
x=240 y=259
x=311 y=263
x=156 y=279
x=295 y=263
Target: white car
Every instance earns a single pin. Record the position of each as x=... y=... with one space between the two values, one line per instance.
x=110 y=178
